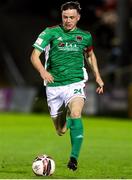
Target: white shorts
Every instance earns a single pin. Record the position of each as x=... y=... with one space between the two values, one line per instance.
x=61 y=95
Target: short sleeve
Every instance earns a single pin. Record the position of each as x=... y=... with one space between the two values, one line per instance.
x=43 y=39
x=89 y=43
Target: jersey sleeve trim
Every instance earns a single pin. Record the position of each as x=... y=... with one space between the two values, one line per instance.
x=88 y=49
x=38 y=47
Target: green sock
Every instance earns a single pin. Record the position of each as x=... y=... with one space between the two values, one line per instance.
x=68 y=122
x=76 y=135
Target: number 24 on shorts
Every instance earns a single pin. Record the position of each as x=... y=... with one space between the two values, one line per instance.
x=76 y=91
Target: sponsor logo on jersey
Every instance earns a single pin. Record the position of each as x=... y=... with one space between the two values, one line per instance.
x=39 y=41
x=61 y=44
x=68 y=46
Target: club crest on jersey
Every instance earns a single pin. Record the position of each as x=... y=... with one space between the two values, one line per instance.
x=79 y=38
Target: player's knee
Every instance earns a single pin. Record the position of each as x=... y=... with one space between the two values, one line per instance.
x=75 y=114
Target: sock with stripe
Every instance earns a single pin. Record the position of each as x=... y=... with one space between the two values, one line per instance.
x=76 y=135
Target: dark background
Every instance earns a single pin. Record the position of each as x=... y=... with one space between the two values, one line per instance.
x=109 y=22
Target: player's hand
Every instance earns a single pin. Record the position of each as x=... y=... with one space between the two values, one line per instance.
x=100 y=88
x=46 y=76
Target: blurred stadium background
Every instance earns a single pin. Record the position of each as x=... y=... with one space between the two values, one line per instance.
x=28 y=131
x=110 y=23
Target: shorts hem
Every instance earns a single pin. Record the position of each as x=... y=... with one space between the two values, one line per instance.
x=55 y=115
x=73 y=97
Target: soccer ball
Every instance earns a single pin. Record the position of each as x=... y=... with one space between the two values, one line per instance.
x=43 y=165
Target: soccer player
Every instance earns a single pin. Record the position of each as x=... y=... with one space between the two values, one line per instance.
x=66 y=46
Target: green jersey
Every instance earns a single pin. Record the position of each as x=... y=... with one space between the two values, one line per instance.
x=64 y=53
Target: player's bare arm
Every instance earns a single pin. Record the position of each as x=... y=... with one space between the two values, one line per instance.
x=35 y=59
x=92 y=61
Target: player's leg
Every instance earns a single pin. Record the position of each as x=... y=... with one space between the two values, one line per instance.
x=57 y=109
x=60 y=122
x=76 y=130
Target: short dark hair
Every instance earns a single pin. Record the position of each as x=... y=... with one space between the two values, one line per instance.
x=71 y=5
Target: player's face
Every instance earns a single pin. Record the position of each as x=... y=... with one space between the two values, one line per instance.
x=70 y=17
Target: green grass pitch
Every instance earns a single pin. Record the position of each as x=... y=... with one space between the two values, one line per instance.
x=106 y=151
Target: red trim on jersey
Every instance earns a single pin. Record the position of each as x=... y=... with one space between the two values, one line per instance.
x=88 y=49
